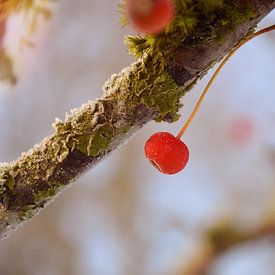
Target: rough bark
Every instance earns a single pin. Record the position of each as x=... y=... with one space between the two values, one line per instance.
x=129 y=101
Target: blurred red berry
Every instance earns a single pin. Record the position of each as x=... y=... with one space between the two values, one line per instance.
x=166 y=152
x=150 y=16
x=241 y=130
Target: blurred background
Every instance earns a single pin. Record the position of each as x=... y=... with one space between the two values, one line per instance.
x=124 y=217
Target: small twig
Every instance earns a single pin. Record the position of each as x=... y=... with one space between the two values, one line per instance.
x=219 y=240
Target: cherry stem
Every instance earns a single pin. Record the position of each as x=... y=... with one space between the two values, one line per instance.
x=206 y=89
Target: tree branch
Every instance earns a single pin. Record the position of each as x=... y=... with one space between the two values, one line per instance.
x=218 y=241
x=148 y=89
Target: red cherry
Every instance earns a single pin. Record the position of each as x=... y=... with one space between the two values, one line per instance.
x=150 y=16
x=166 y=152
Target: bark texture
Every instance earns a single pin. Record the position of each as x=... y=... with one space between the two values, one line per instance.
x=140 y=93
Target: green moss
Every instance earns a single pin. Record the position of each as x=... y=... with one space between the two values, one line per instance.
x=10 y=183
x=27 y=213
x=199 y=17
x=211 y=5
x=42 y=196
x=137 y=45
x=220 y=38
x=7 y=183
x=125 y=129
x=234 y=16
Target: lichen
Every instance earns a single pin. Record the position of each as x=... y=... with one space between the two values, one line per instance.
x=148 y=84
x=164 y=97
x=94 y=143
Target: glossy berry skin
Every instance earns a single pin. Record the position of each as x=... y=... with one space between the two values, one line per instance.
x=150 y=16
x=166 y=152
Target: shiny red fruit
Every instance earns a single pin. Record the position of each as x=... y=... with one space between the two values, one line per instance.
x=166 y=152
x=150 y=16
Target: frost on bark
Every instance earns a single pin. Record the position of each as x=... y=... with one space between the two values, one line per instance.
x=148 y=89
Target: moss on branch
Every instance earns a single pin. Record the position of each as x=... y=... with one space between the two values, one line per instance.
x=196 y=21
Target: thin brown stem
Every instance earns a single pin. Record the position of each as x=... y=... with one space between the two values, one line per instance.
x=226 y=59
